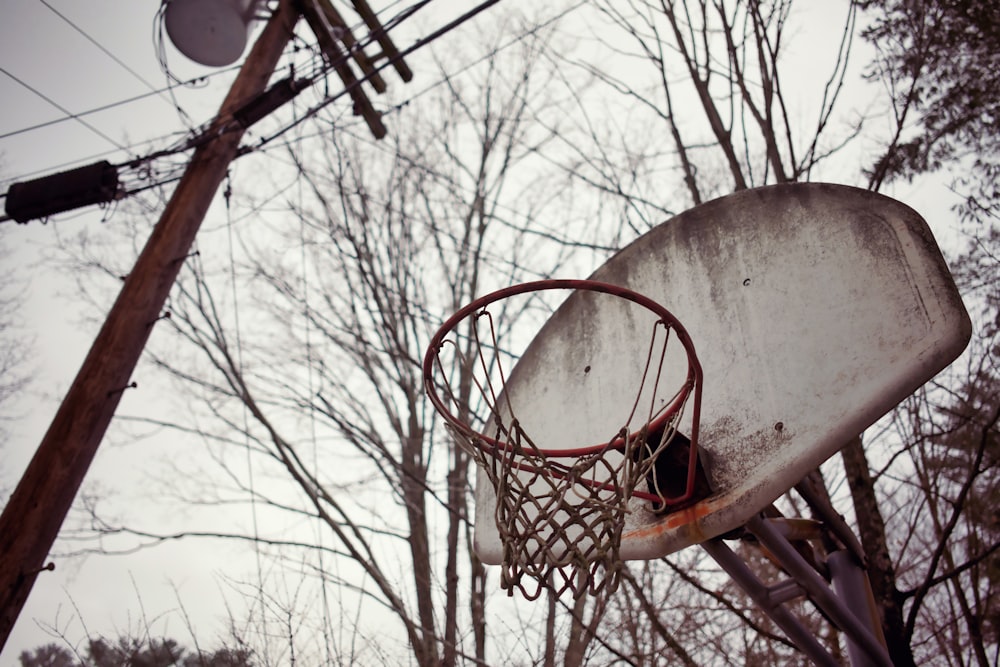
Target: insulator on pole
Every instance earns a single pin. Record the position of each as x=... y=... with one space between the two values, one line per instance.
x=93 y=184
x=274 y=97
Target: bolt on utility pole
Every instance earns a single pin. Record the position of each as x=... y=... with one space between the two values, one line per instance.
x=32 y=518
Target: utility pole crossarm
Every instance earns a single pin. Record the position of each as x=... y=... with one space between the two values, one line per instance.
x=340 y=47
x=34 y=515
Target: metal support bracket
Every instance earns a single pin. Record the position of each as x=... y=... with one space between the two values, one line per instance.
x=846 y=605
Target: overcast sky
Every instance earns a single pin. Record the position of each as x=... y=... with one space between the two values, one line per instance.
x=65 y=57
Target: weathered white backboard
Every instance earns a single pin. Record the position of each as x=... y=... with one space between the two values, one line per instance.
x=814 y=310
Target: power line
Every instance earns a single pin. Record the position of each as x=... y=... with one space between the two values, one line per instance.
x=446 y=77
x=261 y=145
x=175 y=147
x=105 y=107
x=69 y=113
x=372 y=37
x=200 y=135
x=87 y=159
x=318 y=70
x=145 y=177
x=100 y=182
x=388 y=63
x=103 y=49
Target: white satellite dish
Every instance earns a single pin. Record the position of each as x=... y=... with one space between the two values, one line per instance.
x=210 y=32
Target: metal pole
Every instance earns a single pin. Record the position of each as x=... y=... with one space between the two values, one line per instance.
x=32 y=518
x=762 y=595
x=852 y=586
x=818 y=590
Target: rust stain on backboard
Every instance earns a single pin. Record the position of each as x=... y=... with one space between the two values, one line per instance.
x=688 y=517
x=814 y=309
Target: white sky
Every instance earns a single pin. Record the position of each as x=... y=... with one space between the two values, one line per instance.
x=45 y=52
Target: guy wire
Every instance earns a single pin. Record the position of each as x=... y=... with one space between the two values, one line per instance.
x=310 y=393
x=240 y=381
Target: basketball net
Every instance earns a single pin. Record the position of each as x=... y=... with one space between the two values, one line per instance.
x=560 y=514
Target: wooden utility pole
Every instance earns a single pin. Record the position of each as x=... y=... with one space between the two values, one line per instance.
x=32 y=519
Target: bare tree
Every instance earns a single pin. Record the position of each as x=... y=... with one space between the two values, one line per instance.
x=715 y=98
x=304 y=352
x=299 y=349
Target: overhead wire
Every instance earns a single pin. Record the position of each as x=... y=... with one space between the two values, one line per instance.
x=172 y=174
x=88 y=112
x=195 y=135
x=316 y=70
x=550 y=234
x=475 y=11
x=63 y=109
x=202 y=134
x=239 y=383
x=108 y=53
x=261 y=146
x=88 y=159
x=199 y=134
x=491 y=54
x=311 y=390
x=77 y=116
x=176 y=147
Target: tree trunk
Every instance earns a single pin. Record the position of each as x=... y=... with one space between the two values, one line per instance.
x=413 y=480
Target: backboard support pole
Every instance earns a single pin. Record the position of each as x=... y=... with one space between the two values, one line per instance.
x=852 y=586
x=864 y=637
x=766 y=599
x=818 y=590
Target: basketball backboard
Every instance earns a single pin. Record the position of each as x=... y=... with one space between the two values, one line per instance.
x=814 y=310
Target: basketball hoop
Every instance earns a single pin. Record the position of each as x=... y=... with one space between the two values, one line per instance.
x=560 y=512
